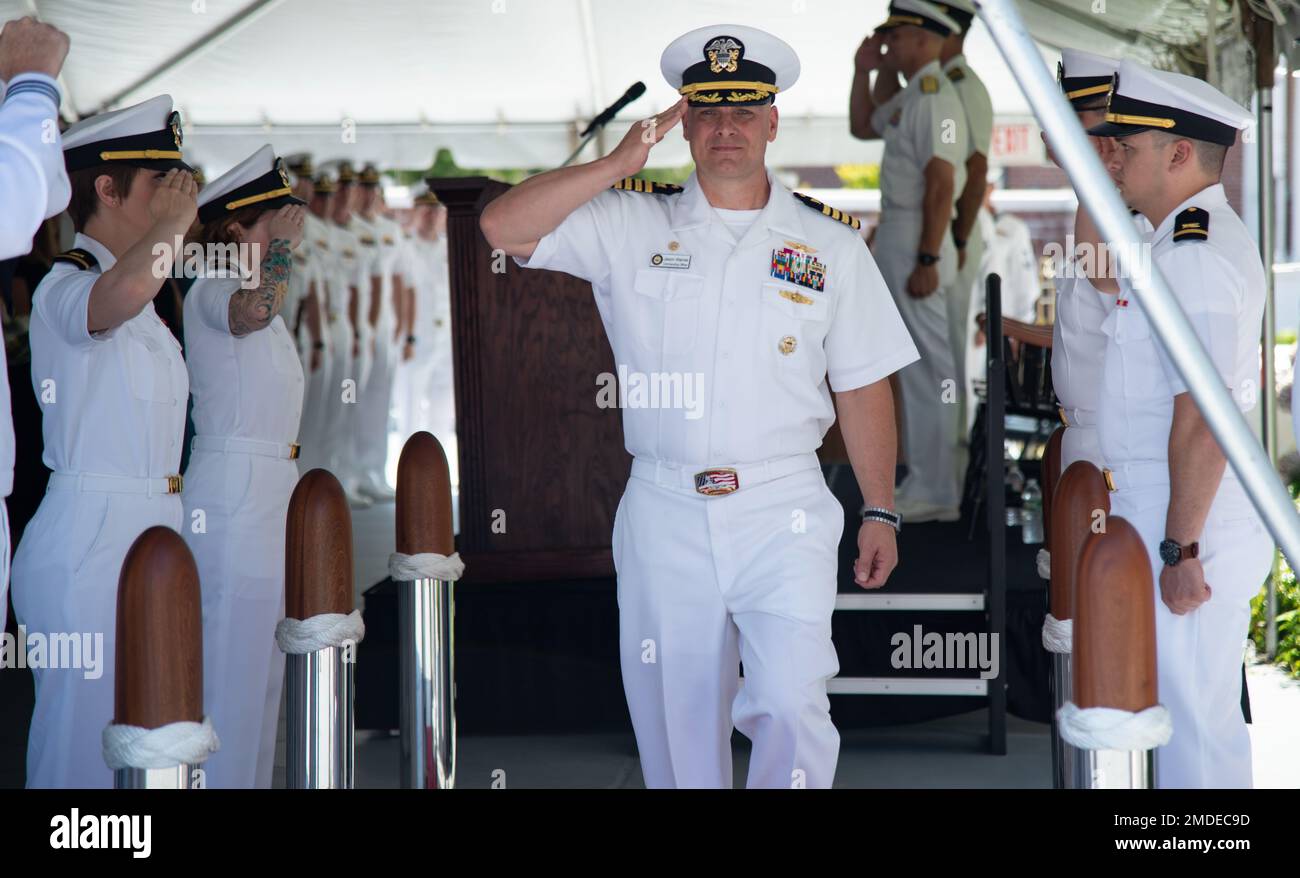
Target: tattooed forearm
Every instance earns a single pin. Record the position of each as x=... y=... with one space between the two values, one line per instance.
x=251 y=310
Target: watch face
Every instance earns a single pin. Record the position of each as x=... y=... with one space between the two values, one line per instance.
x=1170 y=552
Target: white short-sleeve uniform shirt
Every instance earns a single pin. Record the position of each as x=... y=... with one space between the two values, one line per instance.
x=923 y=121
x=770 y=324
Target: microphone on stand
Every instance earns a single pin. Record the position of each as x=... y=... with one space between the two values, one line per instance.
x=605 y=117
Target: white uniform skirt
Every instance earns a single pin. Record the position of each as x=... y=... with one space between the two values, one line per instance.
x=238 y=544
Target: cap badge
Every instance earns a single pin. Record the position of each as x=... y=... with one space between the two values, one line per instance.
x=724 y=54
x=284 y=176
x=174 y=122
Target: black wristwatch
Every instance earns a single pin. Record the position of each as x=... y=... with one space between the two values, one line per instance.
x=1173 y=554
x=926 y=259
x=410 y=339
x=960 y=242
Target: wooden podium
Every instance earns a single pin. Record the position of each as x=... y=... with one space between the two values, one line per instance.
x=542 y=468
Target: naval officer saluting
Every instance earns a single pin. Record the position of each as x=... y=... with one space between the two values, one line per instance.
x=1209 y=551
x=923 y=169
x=35 y=185
x=112 y=387
x=725 y=539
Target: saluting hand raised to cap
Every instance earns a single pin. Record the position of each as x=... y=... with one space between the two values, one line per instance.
x=633 y=151
x=287 y=223
x=869 y=57
x=31 y=46
x=175 y=199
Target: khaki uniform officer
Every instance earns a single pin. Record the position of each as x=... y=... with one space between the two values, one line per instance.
x=924 y=167
x=749 y=296
x=112 y=387
x=1209 y=551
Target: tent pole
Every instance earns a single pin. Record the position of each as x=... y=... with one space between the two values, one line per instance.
x=1259 y=32
x=1101 y=199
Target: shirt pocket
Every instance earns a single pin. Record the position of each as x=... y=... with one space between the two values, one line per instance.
x=1132 y=370
x=149 y=366
x=793 y=326
x=667 y=310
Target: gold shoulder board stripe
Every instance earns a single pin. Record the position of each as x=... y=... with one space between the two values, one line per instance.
x=633 y=184
x=827 y=210
x=957 y=75
x=1192 y=223
x=83 y=259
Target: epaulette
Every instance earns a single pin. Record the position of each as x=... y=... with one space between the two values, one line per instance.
x=827 y=210
x=632 y=184
x=956 y=74
x=929 y=85
x=368 y=240
x=388 y=239
x=83 y=259
x=1192 y=224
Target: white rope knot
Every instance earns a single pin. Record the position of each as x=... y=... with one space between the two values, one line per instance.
x=1106 y=728
x=183 y=743
x=1058 y=635
x=1044 y=564
x=426 y=565
x=303 y=636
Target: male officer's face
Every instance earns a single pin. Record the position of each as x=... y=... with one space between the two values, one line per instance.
x=1139 y=164
x=730 y=142
x=909 y=48
x=343 y=201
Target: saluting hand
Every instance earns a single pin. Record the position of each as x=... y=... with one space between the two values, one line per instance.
x=1183 y=587
x=877 y=554
x=176 y=199
x=869 y=56
x=31 y=46
x=288 y=223
x=633 y=151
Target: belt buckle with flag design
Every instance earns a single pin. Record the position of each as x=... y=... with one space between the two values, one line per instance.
x=712 y=482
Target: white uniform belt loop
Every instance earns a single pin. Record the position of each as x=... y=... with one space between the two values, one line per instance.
x=237 y=445
x=675 y=475
x=114 y=484
x=1077 y=417
x=1130 y=476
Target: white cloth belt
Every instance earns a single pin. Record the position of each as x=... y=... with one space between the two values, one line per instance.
x=303 y=636
x=183 y=743
x=1130 y=476
x=1044 y=559
x=1058 y=635
x=238 y=445
x=674 y=475
x=425 y=565
x=1106 y=728
x=1077 y=417
x=114 y=484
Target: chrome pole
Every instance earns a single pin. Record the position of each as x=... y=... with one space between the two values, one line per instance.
x=319 y=724
x=1065 y=756
x=426 y=609
x=1264 y=122
x=178 y=777
x=1102 y=201
x=1119 y=769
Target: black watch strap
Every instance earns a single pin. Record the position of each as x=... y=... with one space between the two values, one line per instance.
x=926 y=259
x=884 y=516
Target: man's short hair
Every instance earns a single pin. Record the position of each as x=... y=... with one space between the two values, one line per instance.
x=1209 y=156
x=85 y=200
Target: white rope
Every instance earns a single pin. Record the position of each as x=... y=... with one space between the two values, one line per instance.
x=426 y=565
x=1106 y=728
x=168 y=746
x=1044 y=564
x=1058 y=635
x=303 y=636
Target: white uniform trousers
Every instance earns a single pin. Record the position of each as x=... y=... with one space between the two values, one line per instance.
x=240 y=557
x=1080 y=442
x=412 y=392
x=931 y=396
x=350 y=462
x=4 y=565
x=961 y=322
x=375 y=403
x=65 y=580
x=338 y=437
x=705 y=583
x=313 y=428
x=1199 y=654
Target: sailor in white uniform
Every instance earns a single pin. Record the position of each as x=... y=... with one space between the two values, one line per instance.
x=248 y=390
x=321 y=402
x=420 y=378
x=921 y=173
x=1209 y=550
x=112 y=388
x=967 y=230
x=1077 y=338
x=725 y=539
x=382 y=238
x=36 y=188
x=307 y=282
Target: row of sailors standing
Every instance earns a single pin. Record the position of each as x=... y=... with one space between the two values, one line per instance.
x=114 y=387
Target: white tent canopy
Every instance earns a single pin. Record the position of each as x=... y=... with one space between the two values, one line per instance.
x=501 y=83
